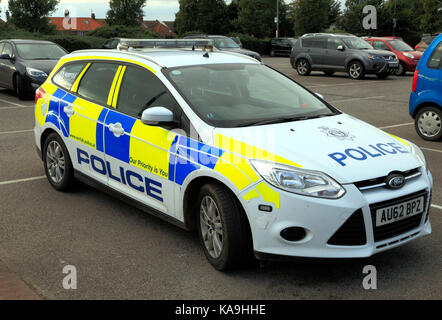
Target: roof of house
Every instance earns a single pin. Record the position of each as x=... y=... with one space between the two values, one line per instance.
x=75 y=23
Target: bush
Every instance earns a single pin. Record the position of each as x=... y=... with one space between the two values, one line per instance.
x=262 y=46
x=123 y=32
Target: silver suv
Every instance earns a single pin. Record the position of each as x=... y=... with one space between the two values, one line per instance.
x=332 y=53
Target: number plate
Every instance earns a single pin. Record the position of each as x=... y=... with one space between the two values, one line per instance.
x=399 y=211
x=393 y=64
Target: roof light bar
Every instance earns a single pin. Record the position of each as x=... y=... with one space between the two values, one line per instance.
x=204 y=44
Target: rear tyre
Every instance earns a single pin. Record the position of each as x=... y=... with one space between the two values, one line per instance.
x=356 y=70
x=384 y=75
x=428 y=123
x=57 y=163
x=303 y=67
x=223 y=228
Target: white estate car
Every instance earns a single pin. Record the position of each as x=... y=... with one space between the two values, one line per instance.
x=219 y=142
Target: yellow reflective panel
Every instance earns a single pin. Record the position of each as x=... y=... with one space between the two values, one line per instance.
x=83 y=124
x=231 y=172
x=399 y=139
x=117 y=87
x=251 y=195
x=249 y=151
x=80 y=76
x=242 y=164
x=152 y=154
x=268 y=194
x=114 y=83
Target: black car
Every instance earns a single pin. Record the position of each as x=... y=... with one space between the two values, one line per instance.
x=332 y=53
x=25 y=64
x=227 y=44
x=282 y=46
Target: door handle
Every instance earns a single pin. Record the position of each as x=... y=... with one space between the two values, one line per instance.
x=117 y=129
x=69 y=110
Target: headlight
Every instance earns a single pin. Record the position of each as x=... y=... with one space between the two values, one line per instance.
x=300 y=181
x=409 y=55
x=415 y=150
x=373 y=57
x=35 y=72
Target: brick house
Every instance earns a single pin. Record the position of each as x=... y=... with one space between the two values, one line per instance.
x=75 y=25
x=163 y=28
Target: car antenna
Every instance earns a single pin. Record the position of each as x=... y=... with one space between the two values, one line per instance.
x=193 y=48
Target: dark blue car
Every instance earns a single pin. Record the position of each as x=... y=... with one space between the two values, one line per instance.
x=426 y=96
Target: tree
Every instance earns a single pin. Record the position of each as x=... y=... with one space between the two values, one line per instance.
x=208 y=16
x=314 y=15
x=32 y=15
x=431 y=18
x=125 y=12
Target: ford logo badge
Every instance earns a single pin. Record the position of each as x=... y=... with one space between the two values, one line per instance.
x=395 y=181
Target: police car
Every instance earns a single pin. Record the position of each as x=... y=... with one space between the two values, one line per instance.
x=221 y=143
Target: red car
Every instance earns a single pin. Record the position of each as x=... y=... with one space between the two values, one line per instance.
x=408 y=57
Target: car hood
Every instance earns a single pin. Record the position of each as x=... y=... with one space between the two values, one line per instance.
x=380 y=52
x=44 y=65
x=345 y=148
x=416 y=54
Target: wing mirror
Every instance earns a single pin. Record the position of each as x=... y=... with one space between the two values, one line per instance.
x=341 y=47
x=5 y=56
x=156 y=116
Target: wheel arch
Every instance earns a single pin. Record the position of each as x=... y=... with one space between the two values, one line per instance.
x=44 y=136
x=354 y=59
x=424 y=105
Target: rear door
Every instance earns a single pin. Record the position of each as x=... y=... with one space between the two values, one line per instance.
x=315 y=47
x=433 y=71
x=7 y=67
x=141 y=157
x=334 y=59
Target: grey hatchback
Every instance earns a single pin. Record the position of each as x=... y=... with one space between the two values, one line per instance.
x=332 y=53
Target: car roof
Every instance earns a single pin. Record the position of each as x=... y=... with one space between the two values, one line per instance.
x=169 y=58
x=337 y=35
x=28 y=41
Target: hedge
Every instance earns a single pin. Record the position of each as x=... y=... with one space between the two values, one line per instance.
x=262 y=46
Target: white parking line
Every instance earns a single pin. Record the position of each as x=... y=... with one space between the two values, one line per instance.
x=436 y=206
x=397 y=125
x=9 y=108
x=14 y=132
x=356 y=99
x=434 y=150
x=12 y=103
x=2 y=183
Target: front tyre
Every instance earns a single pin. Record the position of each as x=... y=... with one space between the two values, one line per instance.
x=402 y=70
x=57 y=163
x=303 y=67
x=223 y=228
x=428 y=123
x=356 y=70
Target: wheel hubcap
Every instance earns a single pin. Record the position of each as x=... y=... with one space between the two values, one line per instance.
x=430 y=124
x=302 y=67
x=355 y=71
x=400 y=70
x=211 y=227
x=55 y=161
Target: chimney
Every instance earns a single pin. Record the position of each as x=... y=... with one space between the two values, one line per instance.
x=93 y=16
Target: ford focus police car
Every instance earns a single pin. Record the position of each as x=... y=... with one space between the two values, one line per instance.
x=221 y=143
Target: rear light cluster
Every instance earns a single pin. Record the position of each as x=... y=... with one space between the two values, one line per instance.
x=416 y=76
x=39 y=94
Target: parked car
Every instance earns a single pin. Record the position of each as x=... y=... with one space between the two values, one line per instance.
x=237 y=40
x=332 y=53
x=223 y=43
x=426 y=95
x=111 y=43
x=408 y=57
x=425 y=42
x=25 y=64
x=282 y=46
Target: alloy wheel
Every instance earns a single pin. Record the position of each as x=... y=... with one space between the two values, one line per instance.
x=55 y=161
x=211 y=226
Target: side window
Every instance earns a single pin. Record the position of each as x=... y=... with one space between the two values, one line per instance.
x=333 y=44
x=7 y=49
x=435 y=61
x=66 y=77
x=380 y=45
x=140 y=90
x=97 y=81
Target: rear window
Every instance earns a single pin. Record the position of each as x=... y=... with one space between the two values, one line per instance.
x=96 y=83
x=67 y=75
x=435 y=61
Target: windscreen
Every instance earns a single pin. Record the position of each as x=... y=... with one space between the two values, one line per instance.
x=236 y=95
x=400 y=46
x=356 y=43
x=40 y=51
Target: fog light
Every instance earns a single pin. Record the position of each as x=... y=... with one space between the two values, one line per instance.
x=293 y=234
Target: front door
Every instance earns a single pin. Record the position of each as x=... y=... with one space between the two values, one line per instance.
x=141 y=157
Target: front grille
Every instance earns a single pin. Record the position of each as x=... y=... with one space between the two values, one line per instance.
x=351 y=233
x=380 y=182
x=396 y=228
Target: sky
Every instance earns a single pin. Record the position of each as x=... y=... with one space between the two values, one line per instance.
x=163 y=10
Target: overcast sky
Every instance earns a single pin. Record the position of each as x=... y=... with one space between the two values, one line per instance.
x=154 y=10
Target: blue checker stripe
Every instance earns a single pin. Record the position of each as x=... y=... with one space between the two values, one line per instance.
x=118 y=147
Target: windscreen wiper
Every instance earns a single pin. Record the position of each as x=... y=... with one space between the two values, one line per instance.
x=282 y=120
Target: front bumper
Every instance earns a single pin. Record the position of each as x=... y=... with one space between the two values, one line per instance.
x=381 y=66
x=322 y=218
